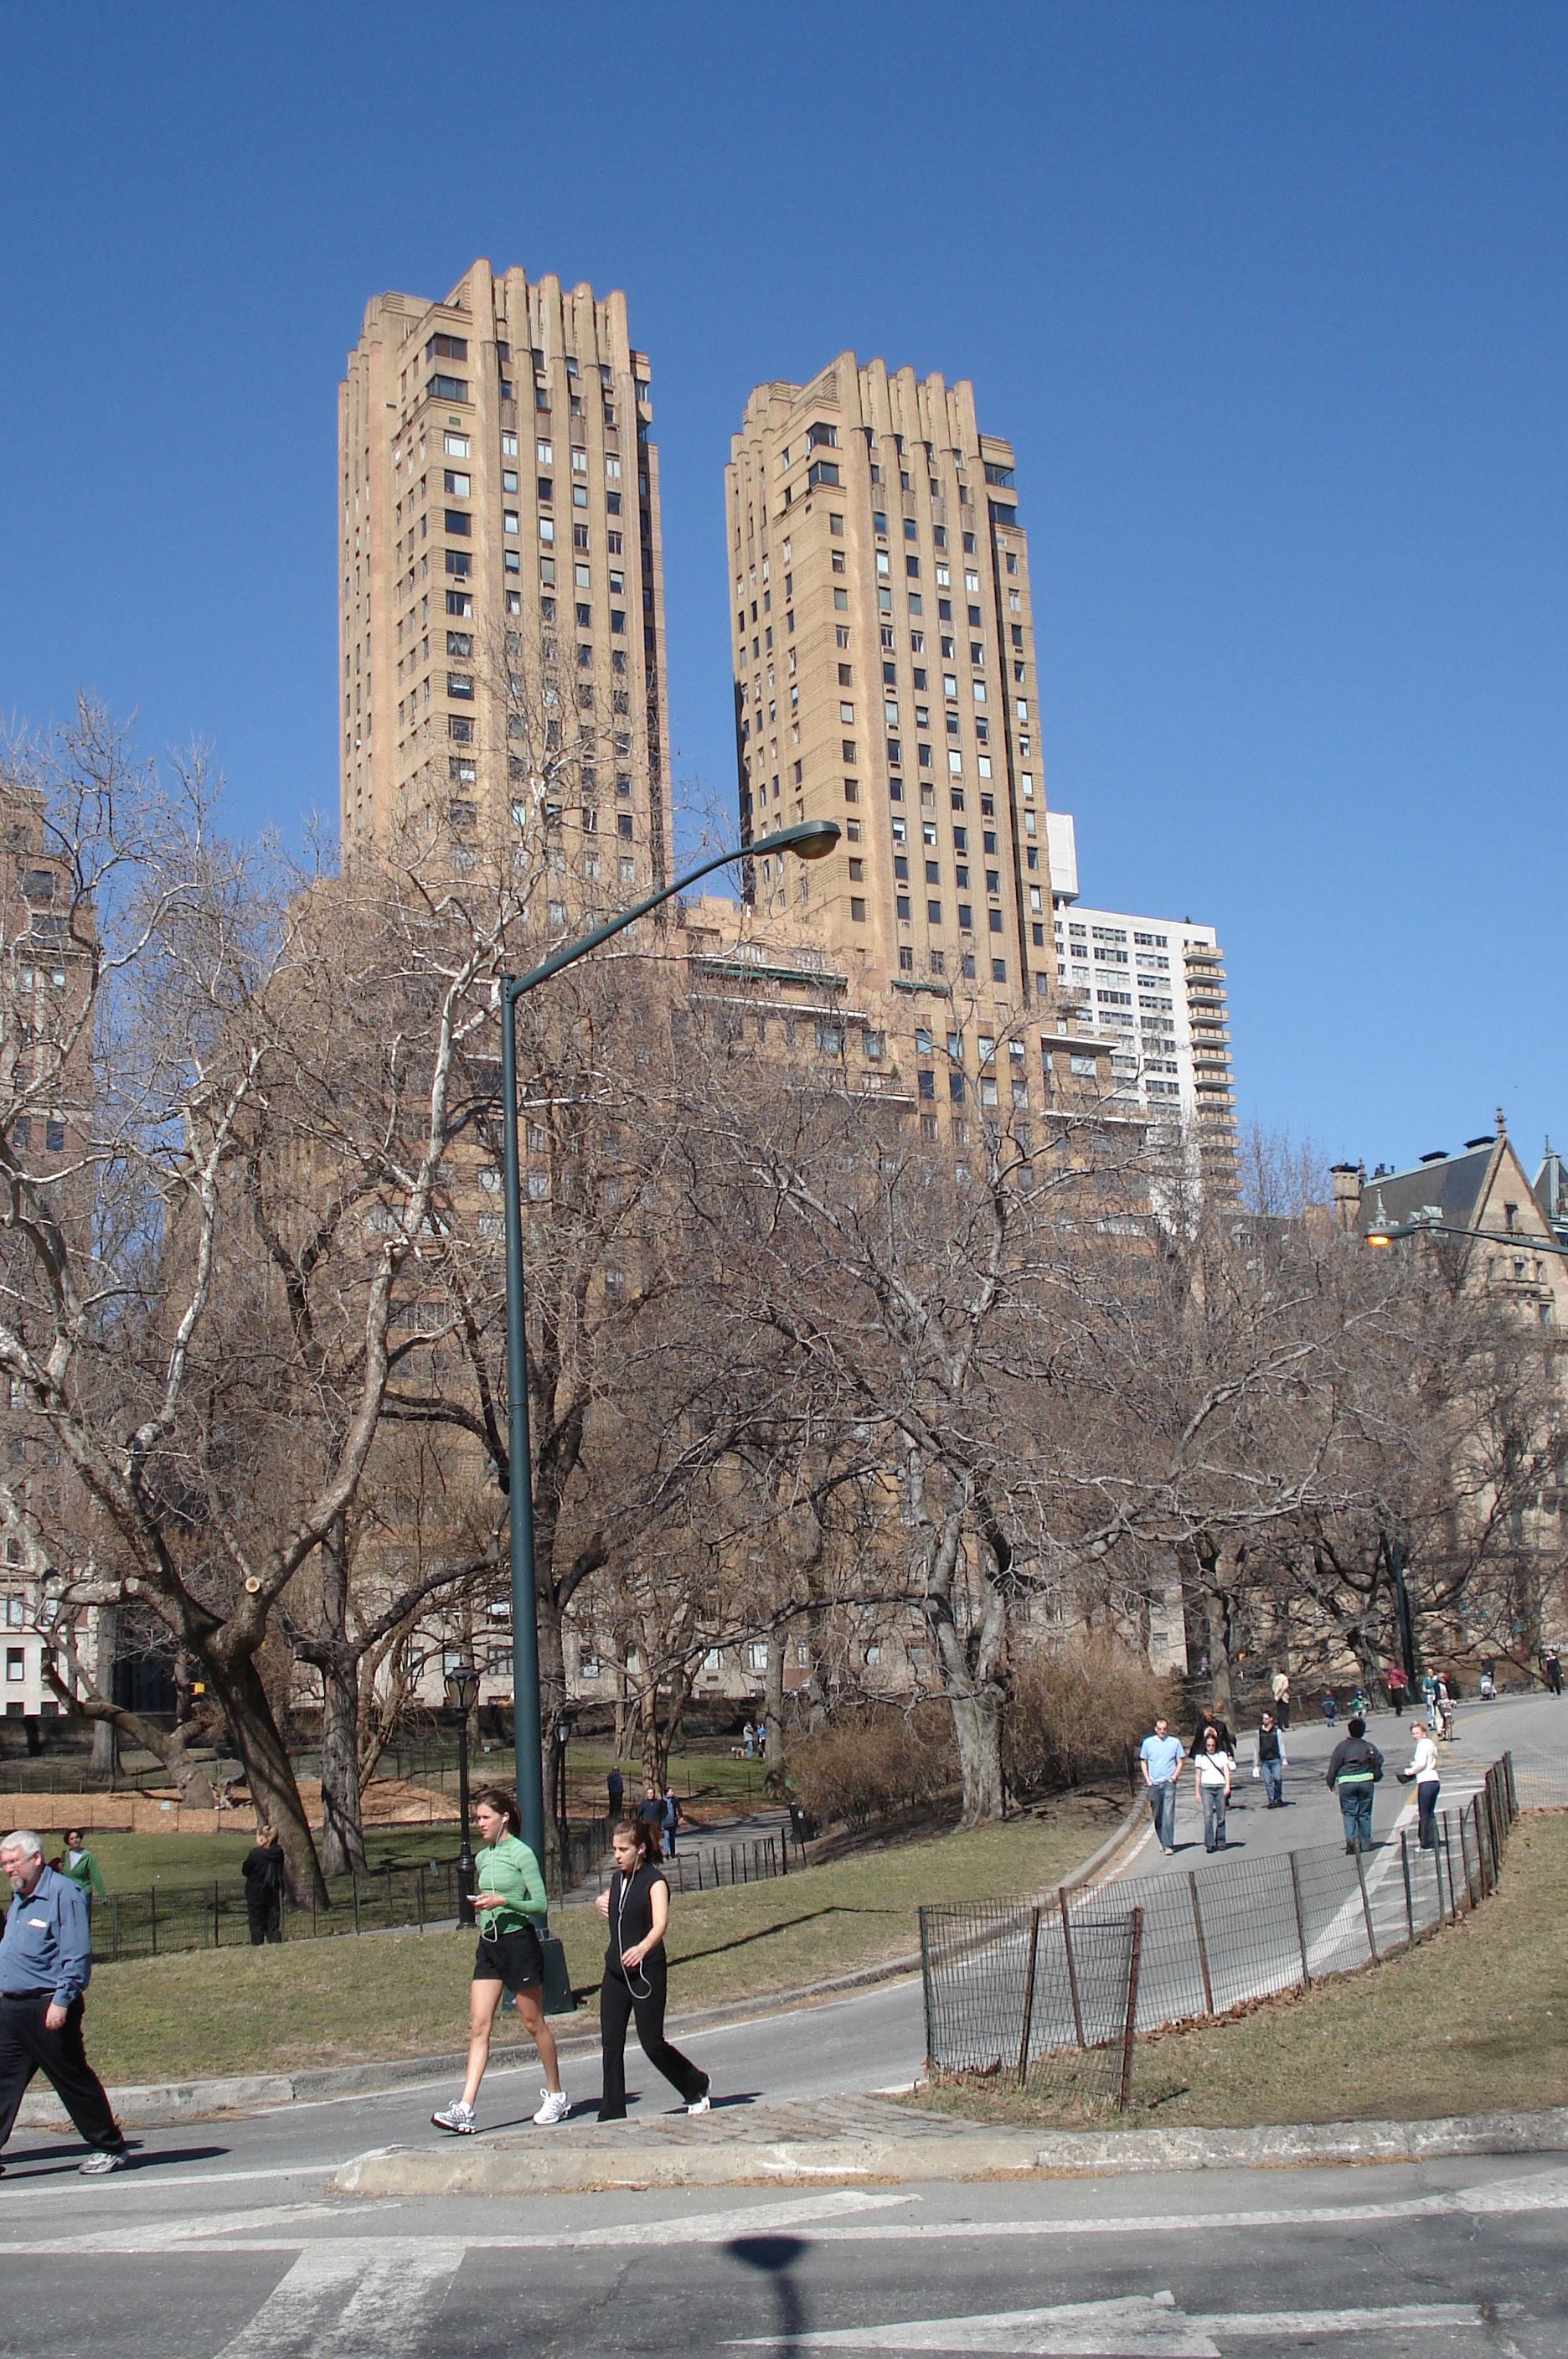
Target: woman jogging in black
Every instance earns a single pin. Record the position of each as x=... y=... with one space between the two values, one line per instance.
x=636 y=1974
x=510 y=1901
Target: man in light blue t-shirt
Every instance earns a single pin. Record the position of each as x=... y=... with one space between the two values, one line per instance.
x=1161 y=1755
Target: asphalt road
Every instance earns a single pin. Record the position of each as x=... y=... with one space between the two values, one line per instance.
x=203 y=2259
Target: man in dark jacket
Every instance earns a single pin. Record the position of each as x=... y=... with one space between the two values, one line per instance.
x=1209 y=1719
x=1355 y=1767
x=614 y=1786
x=263 y=1871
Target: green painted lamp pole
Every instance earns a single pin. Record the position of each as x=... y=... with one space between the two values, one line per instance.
x=810 y=840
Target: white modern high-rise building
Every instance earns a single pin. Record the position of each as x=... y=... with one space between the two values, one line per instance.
x=1157 y=986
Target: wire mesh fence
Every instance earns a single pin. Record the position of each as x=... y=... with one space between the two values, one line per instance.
x=1030 y=1989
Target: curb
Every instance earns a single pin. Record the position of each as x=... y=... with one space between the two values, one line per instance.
x=534 y=2167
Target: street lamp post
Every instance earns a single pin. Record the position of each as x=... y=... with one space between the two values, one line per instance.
x=461 y=1695
x=810 y=840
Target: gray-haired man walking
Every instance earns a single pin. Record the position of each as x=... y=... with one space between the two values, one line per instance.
x=45 y=1959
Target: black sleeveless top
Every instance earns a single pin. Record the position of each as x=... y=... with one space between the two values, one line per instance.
x=631 y=1914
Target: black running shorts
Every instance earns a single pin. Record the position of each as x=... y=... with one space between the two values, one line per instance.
x=515 y=1959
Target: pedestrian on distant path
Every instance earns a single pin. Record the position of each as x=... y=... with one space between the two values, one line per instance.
x=1423 y=1774
x=1429 y=1697
x=668 y=1820
x=83 y=1869
x=1281 y=1688
x=45 y=1964
x=1328 y=1707
x=1161 y=1756
x=1355 y=1766
x=616 y=1787
x=636 y=1974
x=747 y=1738
x=1553 y=1669
x=1397 y=1687
x=1212 y=1770
x=511 y=1903
x=1270 y=1761
x=263 y=1870
x=1208 y=1718
x=650 y=1813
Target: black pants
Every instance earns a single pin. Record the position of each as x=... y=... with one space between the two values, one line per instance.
x=617 y=2004
x=266 y=1919
x=29 y=2046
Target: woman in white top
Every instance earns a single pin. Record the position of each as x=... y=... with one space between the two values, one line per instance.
x=1212 y=1768
x=1423 y=1771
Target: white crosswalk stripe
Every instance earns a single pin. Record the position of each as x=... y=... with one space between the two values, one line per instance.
x=346 y=2296
x=1139 y=2328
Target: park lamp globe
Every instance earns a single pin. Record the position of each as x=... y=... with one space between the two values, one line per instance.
x=462 y=1686
x=810 y=839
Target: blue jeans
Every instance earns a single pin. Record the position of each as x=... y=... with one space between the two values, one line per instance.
x=1273 y=1781
x=1162 y=1802
x=1355 y=1810
x=1214 y=1799
x=1426 y=1808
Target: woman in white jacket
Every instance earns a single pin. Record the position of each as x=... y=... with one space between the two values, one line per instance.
x=1213 y=1768
x=1425 y=1772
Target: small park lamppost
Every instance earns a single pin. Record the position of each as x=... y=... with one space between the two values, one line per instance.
x=810 y=840
x=461 y=1695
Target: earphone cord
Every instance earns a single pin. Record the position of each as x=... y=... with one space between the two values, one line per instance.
x=646 y=1990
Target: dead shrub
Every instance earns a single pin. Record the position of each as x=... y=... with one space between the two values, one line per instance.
x=1074 y=1709
x=872 y=1763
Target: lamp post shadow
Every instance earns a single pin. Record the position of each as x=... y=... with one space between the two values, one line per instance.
x=775 y=2256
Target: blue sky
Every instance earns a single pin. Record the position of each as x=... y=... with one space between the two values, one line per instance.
x=1270 y=301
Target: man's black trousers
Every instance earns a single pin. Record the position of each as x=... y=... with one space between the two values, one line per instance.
x=29 y=2046
x=266 y=1919
x=618 y=2003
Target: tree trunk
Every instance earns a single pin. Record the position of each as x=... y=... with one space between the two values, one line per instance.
x=269 y=1774
x=343 y=1829
x=773 y=1710
x=653 y=1756
x=977 y=1727
x=971 y=1667
x=105 y=1737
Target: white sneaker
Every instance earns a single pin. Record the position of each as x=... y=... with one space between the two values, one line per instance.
x=557 y=2105
x=106 y=2159
x=701 y=2106
x=457 y=2118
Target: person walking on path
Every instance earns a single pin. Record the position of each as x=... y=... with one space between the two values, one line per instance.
x=650 y=1813
x=1160 y=1756
x=83 y=1869
x=263 y=1871
x=669 y=1819
x=1354 y=1769
x=1208 y=1718
x=1423 y=1775
x=616 y=1787
x=1269 y=1761
x=636 y=1974
x=45 y=1964
x=1397 y=1686
x=1429 y=1697
x=1212 y=1771
x=1328 y=1707
x=511 y=1904
x=1282 y=1690
x=1552 y=1665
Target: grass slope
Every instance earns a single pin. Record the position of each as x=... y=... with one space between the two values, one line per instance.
x=1471 y=2021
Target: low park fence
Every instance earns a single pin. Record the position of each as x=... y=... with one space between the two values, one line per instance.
x=1050 y=1993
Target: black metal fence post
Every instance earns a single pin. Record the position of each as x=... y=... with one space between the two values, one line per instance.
x=1125 y=2095
x=1028 y=1998
x=1300 y=1921
x=1202 y=1950
x=1410 y=1902
x=1366 y=1907
x=1071 y=1967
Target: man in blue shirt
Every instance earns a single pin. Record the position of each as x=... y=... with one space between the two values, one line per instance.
x=45 y=1959
x=1161 y=1756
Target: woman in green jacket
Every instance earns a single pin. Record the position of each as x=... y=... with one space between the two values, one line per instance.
x=509 y=1897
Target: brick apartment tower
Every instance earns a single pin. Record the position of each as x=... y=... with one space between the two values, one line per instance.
x=885 y=677
x=497 y=488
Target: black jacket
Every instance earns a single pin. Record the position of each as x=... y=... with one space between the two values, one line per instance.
x=1227 y=1742
x=263 y=1871
x=1356 y=1760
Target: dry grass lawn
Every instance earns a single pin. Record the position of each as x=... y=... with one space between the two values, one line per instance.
x=1475 y=2019
x=342 y=2000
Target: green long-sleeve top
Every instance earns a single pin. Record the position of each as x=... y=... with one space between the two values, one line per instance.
x=83 y=1869
x=510 y=1868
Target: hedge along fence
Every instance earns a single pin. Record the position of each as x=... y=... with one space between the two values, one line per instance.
x=1003 y=1992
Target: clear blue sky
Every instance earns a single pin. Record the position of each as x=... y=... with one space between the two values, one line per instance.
x=1269 y=299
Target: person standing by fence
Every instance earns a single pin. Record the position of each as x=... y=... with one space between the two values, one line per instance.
x=615 y=1788
x=1354 y=1769
x=83 y=1869
x=511 y=1904
x=636 y=1972
x=1161 y=1758
x=1423 y=1774
x=263 y=1871
x=1269 y=1761
x=1281 y=1687
x=1212 y=1770
x=1553 y=1666
x=45 y=1964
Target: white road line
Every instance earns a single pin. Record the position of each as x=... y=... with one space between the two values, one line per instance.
x=348 y=2296
x=160 y=2234
x=1135 y=2329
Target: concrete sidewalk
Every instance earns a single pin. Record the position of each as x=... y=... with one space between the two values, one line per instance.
x=866 y=2138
